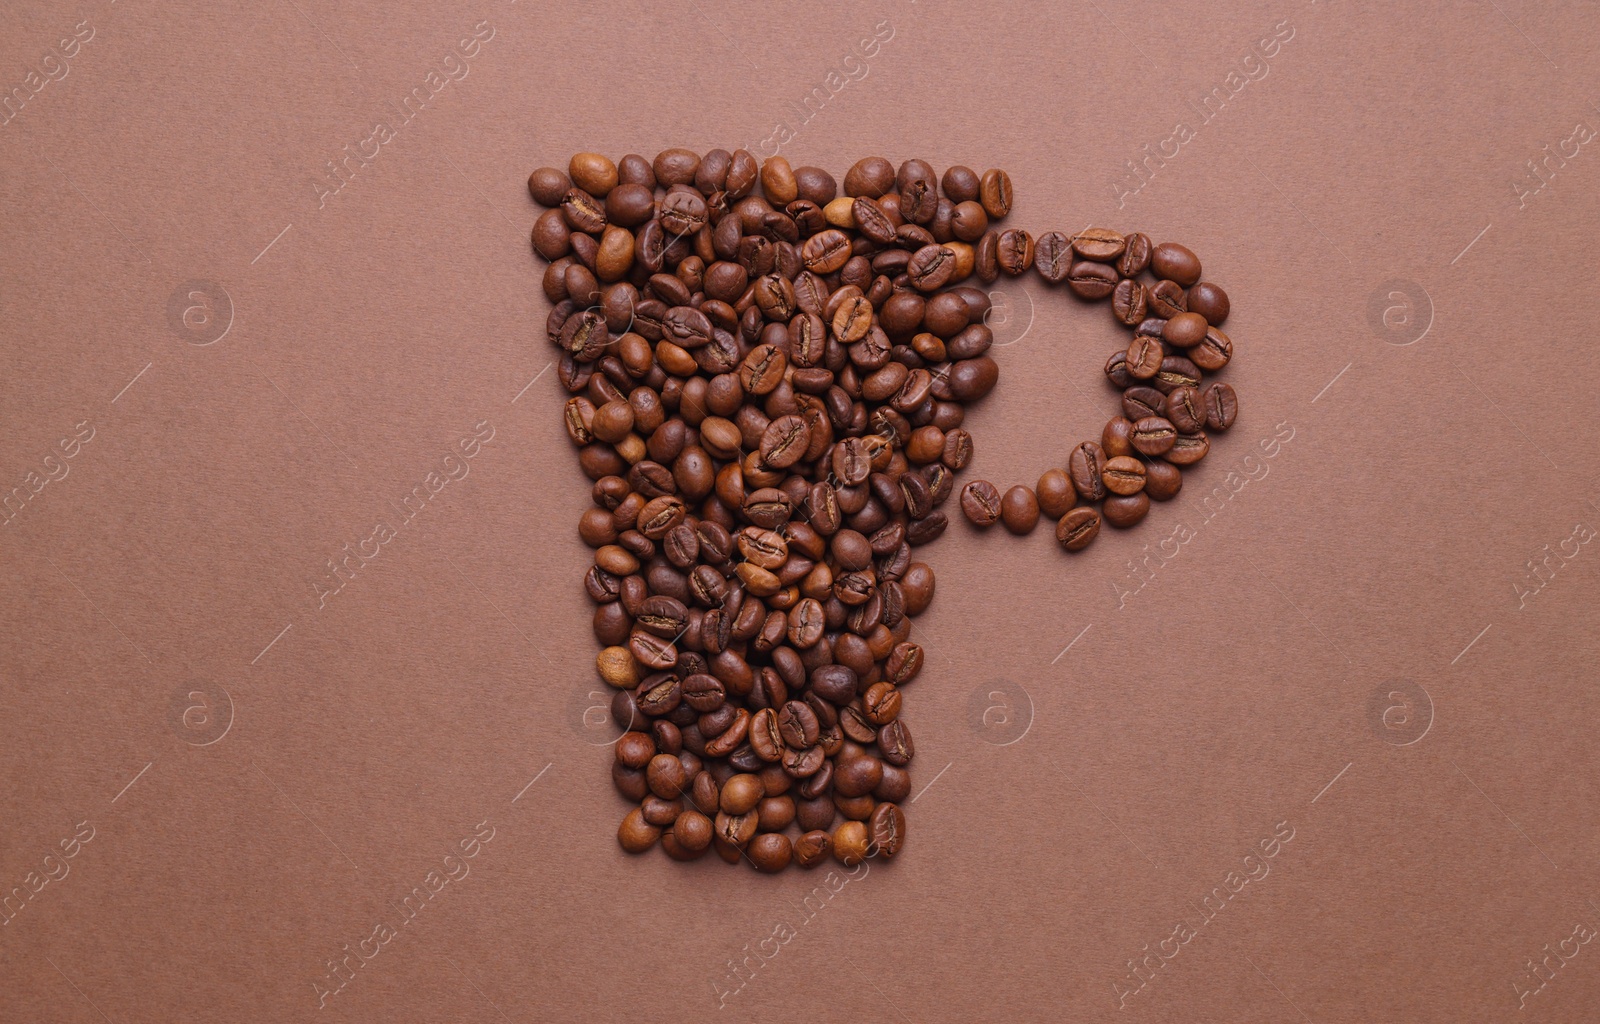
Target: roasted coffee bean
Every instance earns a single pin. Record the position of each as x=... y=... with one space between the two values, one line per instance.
x=903 y=663
x=1162 y=480
x=1152 y=436
x=1123 y=475
x=894 y=740
x=1100 y=244
x=1125 y=510
x=985 y=257
x=1144 y=357
x=1213 y=353
x=930 y=267
x=769 y=852
x=664 y=616
x=1176 y=372
x=666 y=776
x=635 y=749
x=1084 y=466
x=1139 y=402
x=881 y=703
x=1015 y=252
x=1185 y=409
x=636 y=835
x=1117 y=437
x=1090 y=280
x=1188 y=449
x=1185 y=330
x=927 y=529
x=994 y=192
x=1117 y=369
x=857 y=776
x=813 y=848
x=764 y=737
x=980 y=503
x=1209 y=301
x=1053 y=256
x=852 y=843
x=1078 y=528
x=1175 y=263
x=1221 y=407
x=1019 y=510
x=548 y=185
x=1055 y=493
x=736 y=829
x=804 y=763
x=1166 y=299
x=887 y=828
x=1128 y=302
x=798 y=725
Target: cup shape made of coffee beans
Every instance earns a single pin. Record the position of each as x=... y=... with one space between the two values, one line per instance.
x=767 y=370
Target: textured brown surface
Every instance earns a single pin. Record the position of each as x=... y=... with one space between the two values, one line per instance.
x=1168 y=731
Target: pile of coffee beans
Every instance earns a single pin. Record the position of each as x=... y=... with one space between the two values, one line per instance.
x=768 y=372
x=1166 y=405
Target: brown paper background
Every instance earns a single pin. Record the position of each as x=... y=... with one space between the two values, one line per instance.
x=1383 y=542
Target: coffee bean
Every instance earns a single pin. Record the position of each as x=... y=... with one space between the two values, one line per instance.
x=740 y=793
x=770 y=852
x=666 y=776
x=583 y=212
x=994 y=192
x=1221 y=407
x=960 y=184
x=1055 y=493
x=813 y=848
x=904 y=662
x=980 y=503
x=931 y=266
x=1053 y=256
x=548 y=185
x=1139 y=402
x=1083 y=468
x=871 y=177
x=1123 y=475
x=1090 y=280
x=851 y=843
x=1117 y=437
x=1078 y=528
x=636 y=835
x=1162 y=480
x=785 y=441
x=1176 y=263
x=1015 y=252
x=1019 y=510
x=798 y=725
x=1100 y=244
x=736 y=829
x=1166 y=299
x=1144 y=357
x=855 y=725
x=1128 y=302
x=1185 y=409
x=1125 y=510
x=1188 y=449
x=1176 y=372
x=887 y=827
x=635 y=749
x=985 y=257
x=1185 y=330
x=1117 y=369
x=1136 y=256
x=1153 y=435
x=1210 y=301
x=1213 y=353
